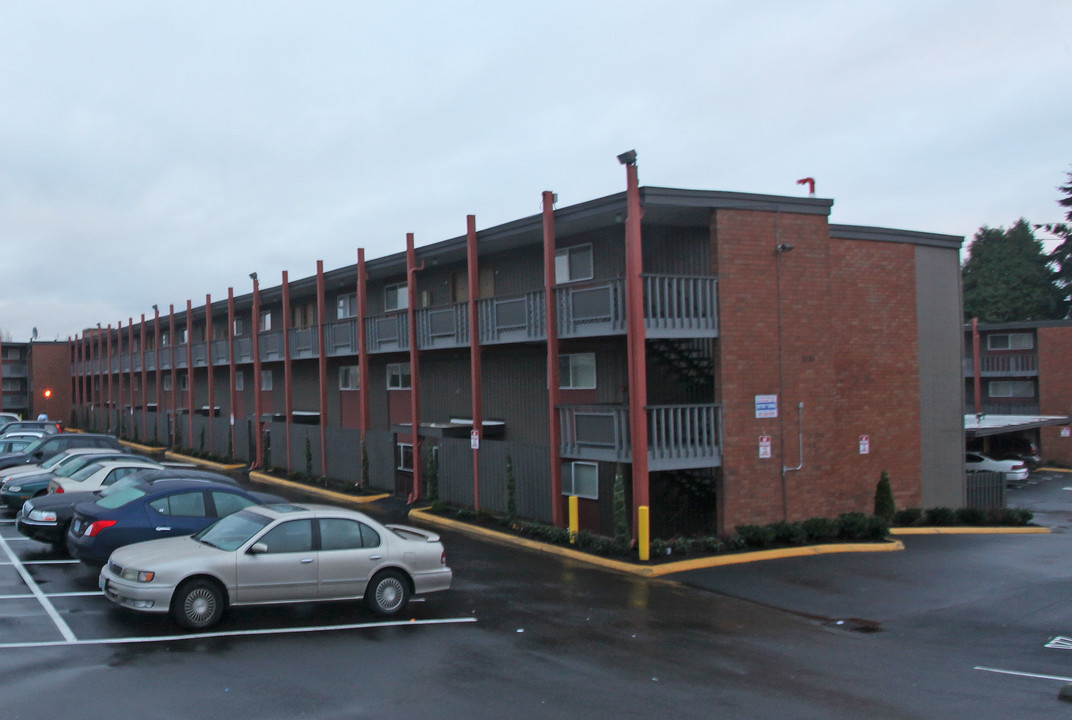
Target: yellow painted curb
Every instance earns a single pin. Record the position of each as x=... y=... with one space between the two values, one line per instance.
x=1056 y=469
x=147 y=449
x=962 y=530
x=322 y=492
x=179 y=457
x=652 y=570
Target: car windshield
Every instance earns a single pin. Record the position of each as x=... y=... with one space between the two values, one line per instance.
x=85 y=472
x=120 y=498
x=229 y=533
x=118 y=485
x=32 y=447
x=72 y=464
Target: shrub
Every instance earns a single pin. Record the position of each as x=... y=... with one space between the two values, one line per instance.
x=970 y=516
x=607 y=546
x=659 y=548
x=511 y=492
x=852 y=526
x=1009 y=516
x=682 y=546
x=439 y=507
x=756 y=536
x=712 y=544
x=884 y=505
x=877 y=529
x=940 y=516
x=908 y=517
x=621 y=523
x=736 y=543
x=819 y=529
x=791 y=533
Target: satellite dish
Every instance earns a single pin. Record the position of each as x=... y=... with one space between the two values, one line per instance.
x=34 y=334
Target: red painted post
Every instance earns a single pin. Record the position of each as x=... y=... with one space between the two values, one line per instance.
x=172 y=396
x=976 y=370
x=322 y=366
x=231 y=365
x=638 y=374
x=108 y=369
x=554 y=392
x=288 y=368
x=474 y=353
x=257 y=372
x=210 y=373
x=119 y=378
x=144 y=386
x=190 y=369
x=159 y=373
x=362 y=354
x=414 y=365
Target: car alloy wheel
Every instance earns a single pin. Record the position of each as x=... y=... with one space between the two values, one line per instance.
x=197 y=605
x=389 y=593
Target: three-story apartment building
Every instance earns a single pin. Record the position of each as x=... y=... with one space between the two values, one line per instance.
x=734 y=357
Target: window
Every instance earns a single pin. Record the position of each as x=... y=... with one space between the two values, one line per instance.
x=405 y=457
x=1012 y=388
x=184 y=383
x=187 y=504
x=266 y=379
x=240 y=380
x=292 y=536
x=573 y=264
x=581 y=479
x=182 y=337
x=227 y=503
x=577 y=371
x=266 y=320
x=340 y=534
x=398 y=377
x=349 y=379
x=303 y=315
x=396 y=297
x=165 y=339
x=167 y=383
x=239 y=327
x=1010 y=341
x=346 y=305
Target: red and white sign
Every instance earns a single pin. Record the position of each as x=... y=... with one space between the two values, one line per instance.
x=474 y=439
x=764 y=446
x=865 y=444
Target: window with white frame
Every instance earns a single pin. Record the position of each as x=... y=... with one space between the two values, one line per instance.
x=1011 y=388
x=573 y=264
x=396 y=297
x=266 y=379
x=1010 y=341
x=346 y=305
x=398 y=376
x=577 y=371
x=405 y=457
x=349 y=379
x=182 y=337
x=240 y=380
x=184 y=383
x=581 y=479
x=266 y=320
x=167 y=383
x=165 y=339
x=239 y=326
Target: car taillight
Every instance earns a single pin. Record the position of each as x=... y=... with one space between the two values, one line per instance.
x=1019 y=466
x=59 y=490
x=443 y=558
x=99 y=525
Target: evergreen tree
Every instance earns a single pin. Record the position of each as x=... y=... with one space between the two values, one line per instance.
x=1062 y=254
x=1008 y=278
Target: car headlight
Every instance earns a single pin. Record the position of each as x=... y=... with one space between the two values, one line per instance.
x=14 y=488
x=42 y=515
x=142 y=576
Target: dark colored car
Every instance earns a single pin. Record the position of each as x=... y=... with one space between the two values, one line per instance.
x=137 y=512
x=20 y=488
x=48 y=426
x=47 y=518
x=51 y=445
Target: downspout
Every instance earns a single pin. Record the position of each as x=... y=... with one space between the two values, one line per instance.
x=156 y=363
x=130 y=373
x=976 y=370
x=172 y=401
x=108 y=368
x=119 y=378
x=144 y=386
x=780 y=249
x=414 y=365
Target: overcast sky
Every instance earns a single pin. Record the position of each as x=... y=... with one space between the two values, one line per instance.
x=154 y=152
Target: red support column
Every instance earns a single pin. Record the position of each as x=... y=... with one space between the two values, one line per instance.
x=119 y=379
x=130 y=372
x=288 y=368
x=159 y=372
x=108 y=369
x=362 y=354
x=210 y=372
x=414 y=365
x=259 y=460
x=144 y=386
x=231 y=365
x=190 y=370
x=976 y=370
x=172 y=396
x=322 y=366
x=554 y=392
x=638 y=373
x=474 y=353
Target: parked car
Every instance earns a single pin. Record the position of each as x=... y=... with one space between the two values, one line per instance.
x=100 y=473
x=27 y=481
x=16 y=441
x=50 y=445
x=47 y=426
x=138 y=513
x=275 y=554
x=47 y=518
x=1014 y=470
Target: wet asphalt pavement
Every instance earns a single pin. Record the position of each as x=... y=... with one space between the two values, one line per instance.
x=527 y=635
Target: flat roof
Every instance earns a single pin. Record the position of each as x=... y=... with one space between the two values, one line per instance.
x=983 y=425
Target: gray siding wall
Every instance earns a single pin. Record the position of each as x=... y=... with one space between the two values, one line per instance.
x=532 y=476
x=515 y=390
x=299 y=434
x=344 y=454
x=381 y=455
x=677 y=251
x=446 y=387
x=941 y=384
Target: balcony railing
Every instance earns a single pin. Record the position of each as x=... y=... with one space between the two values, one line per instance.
x=340 y=337
x=271 y=345
x=679 y=436
x=221 y=352
x=676 y=304
x=1004 y=365
x=243 y=349
x=304 y=343
x=443 y=327
x=200 y=351
x=512 y=318
x=387 y=333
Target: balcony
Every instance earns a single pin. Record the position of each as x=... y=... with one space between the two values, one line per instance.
x=340 y=337
x=679 y=436
x=271 y=345
x=182 y=360
x=387 y=333
x=443 y=327
x=200 y=351
x=304 y=343
x=221 y=352
x=1004 y=365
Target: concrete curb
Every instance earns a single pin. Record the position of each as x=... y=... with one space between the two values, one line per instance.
x=178 y=457
x=651 y=570
x=968 y=530
x=320 y=492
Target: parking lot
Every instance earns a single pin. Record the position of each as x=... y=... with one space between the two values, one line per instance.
x=954 y=626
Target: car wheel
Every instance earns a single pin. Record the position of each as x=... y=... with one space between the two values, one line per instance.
x=197 y=604
x=388 y=593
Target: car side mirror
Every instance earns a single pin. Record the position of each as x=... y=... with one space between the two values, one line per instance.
x=258 y=549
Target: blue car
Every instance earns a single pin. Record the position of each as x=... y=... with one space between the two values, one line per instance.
x=137 y=512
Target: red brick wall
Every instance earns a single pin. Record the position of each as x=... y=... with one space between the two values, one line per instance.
x=1055 y=390
x=50 y=368
x=848 y=352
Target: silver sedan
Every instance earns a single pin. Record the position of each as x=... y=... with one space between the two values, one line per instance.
x=277 y=554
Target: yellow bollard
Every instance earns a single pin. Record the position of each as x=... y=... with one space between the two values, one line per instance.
x=574 y=518
x=643 y=533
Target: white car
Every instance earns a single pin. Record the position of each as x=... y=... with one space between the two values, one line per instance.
x=53 y=463
x=1015 y=470
x=100 y=474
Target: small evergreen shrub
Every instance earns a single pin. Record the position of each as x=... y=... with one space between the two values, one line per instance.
x=884 y=504
x=736 y=543
x=712 y=544
x=908 y=517
x=682 y=546
x=820 y=529
x=940 y=516
x=659 y=548
x=789 y=533
x=970 y=516
x=852 y=526
x=756 y=536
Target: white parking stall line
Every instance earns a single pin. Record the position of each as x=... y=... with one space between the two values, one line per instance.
x=25 y=596
x=45 y=602
x=40 y=562
x=1023 y=674
x=1060 y=643
x=239 y=633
